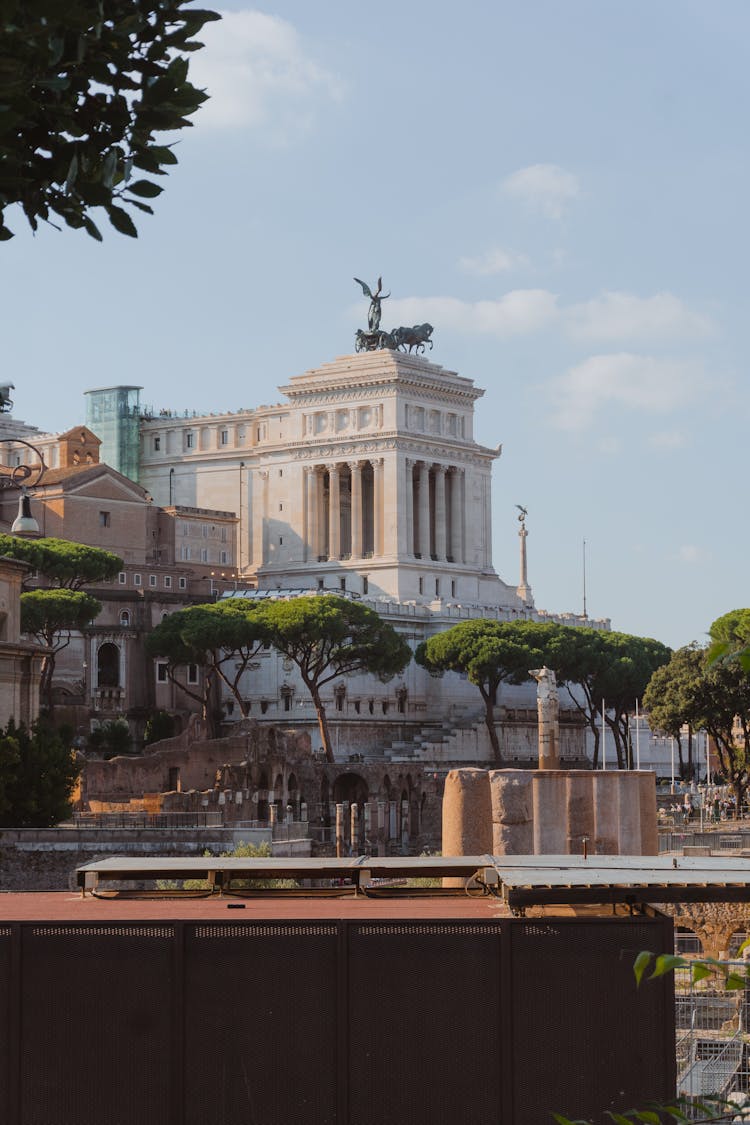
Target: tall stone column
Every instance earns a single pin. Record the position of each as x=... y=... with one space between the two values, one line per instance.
x=334 y=513
x=356 y=471
x=424 y=509
x=456 y=488
x=377 y=471
x=409 y=469
x=548 y=717
x=312 y=549
x=440 y=520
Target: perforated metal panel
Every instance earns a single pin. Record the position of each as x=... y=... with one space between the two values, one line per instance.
x=330 y=1022
x=584 y=1038
x=96 y=1025
x=424 y=1023
x=260 y=1024
x=6 y=1027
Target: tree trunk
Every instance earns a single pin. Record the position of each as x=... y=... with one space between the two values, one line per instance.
x=320 y=711
x=489 y=719
x=45 y=682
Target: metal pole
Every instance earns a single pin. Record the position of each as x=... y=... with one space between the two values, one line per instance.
x=604 y=741
x=637 y=737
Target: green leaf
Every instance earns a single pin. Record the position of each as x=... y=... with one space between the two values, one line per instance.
x=72 y=173
x=145 y=188
x=121 y=221
x=141 y=206
x=745 y=945
x=648 y=1116
x=5 y=234
x=642 y=962
x=735 y=981
x=667 y=963
x=619 y=1118
x=163 y=154
x=700 y=971
x=92 y=228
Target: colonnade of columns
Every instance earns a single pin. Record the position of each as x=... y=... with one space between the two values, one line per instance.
x=344 y=509
x=435 y=504
x=345 y=505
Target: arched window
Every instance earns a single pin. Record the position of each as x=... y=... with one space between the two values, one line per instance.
x=125 y=617
x=108 y=665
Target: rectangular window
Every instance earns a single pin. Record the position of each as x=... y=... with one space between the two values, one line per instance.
x=122 y=577
x=185 y=529
x=225 y=437
x=152 y=580
x=437 y=587
x=321 y=584
x=453 y=587
x=223 y=535
x=104 y=519
x=161 y=672
x=167 y=581
x=281 y=507
x=189 y=438
x=365 y=585
x=342 y=583
x=204 y=530
x=223 y=558
x=157 y=444
x=204 y=554
x=184 y=553
x=421 y=585
x=192 y=674
x=183 y=583
x=137 y=580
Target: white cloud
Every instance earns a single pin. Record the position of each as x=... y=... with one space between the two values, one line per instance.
x=493 y=261
x=622 y=381
x=517 y=313
x=626 y=317
x=546 y=188
x=689 y=553
x=668 y=439
x=256 y=70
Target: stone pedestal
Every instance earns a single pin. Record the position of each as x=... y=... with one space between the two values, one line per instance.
x=628 y=814
x=580 y=812
x=549 y=789
x=512 y=812
x=606 y=812
x=649 y=818
x=467 y=816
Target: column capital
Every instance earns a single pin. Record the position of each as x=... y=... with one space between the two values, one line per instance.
x=355 y=466
x=332 y=467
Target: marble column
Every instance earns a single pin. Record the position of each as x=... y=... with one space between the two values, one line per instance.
x=456 y=481
x=334 y=513
x=356 y=516
x=409 y=470
x=424 y=510
x=440 y=520
x=312 y=514
x=377 y=472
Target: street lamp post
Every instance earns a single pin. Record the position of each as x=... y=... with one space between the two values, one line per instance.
x=24 y=525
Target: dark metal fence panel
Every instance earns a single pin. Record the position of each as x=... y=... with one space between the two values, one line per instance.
x=424 y=1023
x=585 y=1039
x=260 y=1023
x=330 y=1022
x=96 y=1033
x=6 y=1019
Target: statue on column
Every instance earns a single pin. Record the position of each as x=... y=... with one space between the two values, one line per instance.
x=548 y=715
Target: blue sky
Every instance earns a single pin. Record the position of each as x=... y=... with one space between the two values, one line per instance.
x=559 y=188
